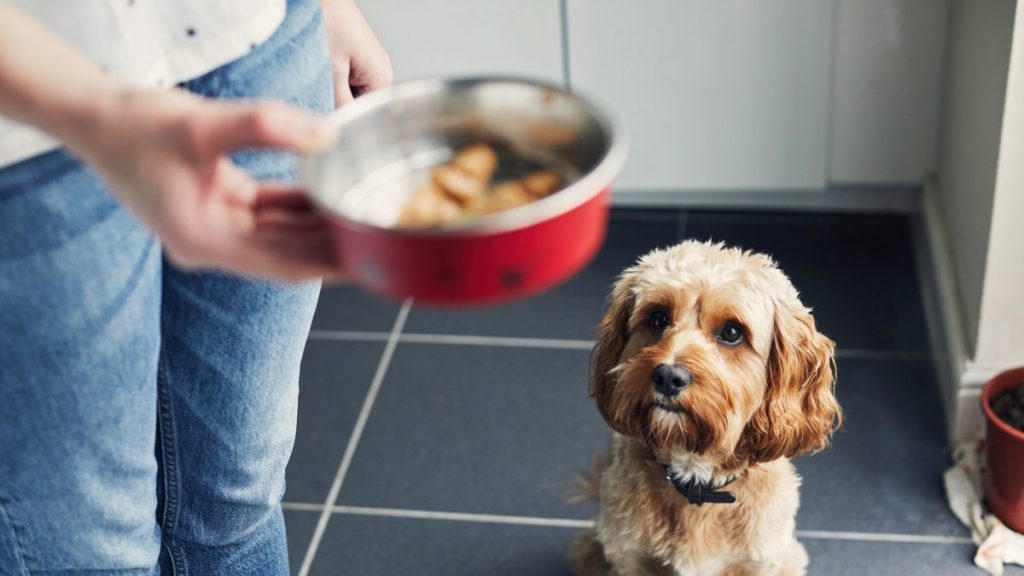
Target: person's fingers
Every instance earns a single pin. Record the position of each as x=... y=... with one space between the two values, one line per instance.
x=232 y=242
x=342 y=93
x=283 y=223
x=290 y=220
x=289 y=240
x=280 y=195
x=285 y=261
x=235 y=185
x=335 y=278
x=225 y=127
x=370 y=72
x=282 y=206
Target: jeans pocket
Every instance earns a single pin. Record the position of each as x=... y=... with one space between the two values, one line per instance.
x=11 y=560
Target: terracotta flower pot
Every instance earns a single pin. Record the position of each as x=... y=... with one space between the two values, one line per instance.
x=1004 y=453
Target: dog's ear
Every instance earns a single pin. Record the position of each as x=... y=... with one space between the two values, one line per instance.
x=799 y=412
x=611 y=339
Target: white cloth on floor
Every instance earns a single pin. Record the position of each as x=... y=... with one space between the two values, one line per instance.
x=965 y=491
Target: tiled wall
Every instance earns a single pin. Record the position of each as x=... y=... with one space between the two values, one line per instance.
x=715 y=94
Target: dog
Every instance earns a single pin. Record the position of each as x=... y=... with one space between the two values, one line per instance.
x=712 y=374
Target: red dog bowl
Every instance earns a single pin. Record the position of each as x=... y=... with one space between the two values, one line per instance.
x=389 y=140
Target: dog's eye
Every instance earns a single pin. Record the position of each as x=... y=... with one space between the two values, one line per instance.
x=731 y=334
x=657 y=320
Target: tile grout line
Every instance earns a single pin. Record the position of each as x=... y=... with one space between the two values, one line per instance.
x=302 y=506
x=576 y=523
x=881 y=537
x=463 y=517
x=357 y=433
x=469 y=340
x=354 y=335
x=562 y=343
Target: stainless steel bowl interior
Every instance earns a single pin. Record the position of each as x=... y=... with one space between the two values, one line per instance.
x=388 y=141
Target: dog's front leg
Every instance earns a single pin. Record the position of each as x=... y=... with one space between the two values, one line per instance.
x=632 y=562
x=793 y=562
x=587 y=555
x=590 y=558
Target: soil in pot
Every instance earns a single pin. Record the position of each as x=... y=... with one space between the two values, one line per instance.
x=1009 y=406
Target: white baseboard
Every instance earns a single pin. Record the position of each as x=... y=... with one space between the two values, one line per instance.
x=959 y=379
x=968 y=421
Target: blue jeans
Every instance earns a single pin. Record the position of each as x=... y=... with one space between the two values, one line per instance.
x=147 y=413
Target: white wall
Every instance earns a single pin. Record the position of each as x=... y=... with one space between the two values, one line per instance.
x=1001 y=326
x=975 y=87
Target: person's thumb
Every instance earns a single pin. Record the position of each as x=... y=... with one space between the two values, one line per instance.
x=268 y=124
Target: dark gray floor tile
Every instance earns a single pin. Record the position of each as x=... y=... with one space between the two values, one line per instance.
x=400 y=546
x=478 y=429
x=857 y=272
x=350 y=308
x=300 y=525
x=332 y=386
x=853 y=558
x=567 y=311
x=884 y=470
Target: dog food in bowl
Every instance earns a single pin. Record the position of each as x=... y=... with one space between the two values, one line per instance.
x=464 y=188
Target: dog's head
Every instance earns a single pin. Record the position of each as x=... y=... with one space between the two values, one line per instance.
x=708 y=350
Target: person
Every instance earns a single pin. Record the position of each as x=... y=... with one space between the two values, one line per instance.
x=158 y=273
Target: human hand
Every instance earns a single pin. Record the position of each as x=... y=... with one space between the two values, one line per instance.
x=359 y=62
x=165 y=156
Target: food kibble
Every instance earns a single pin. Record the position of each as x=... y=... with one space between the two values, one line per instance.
x=463 y=189
x=508 y=195
x=541 y=183
x=1009 y=406
x=479 y=161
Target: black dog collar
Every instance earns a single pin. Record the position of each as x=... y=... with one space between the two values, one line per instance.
x=698 y=492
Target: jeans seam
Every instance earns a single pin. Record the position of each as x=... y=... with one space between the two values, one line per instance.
x=19 y=554
x=168 y=456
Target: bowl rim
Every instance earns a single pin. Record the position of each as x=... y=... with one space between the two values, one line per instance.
x=1016 y=375
x=565 y=200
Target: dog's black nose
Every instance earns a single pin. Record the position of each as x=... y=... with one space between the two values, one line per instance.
x=669 y=379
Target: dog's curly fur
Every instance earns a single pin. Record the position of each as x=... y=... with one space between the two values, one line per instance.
x=748 y=408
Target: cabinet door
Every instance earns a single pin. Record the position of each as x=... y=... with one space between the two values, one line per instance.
x=888 y=78
x=464 y=37
x=715 y=94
